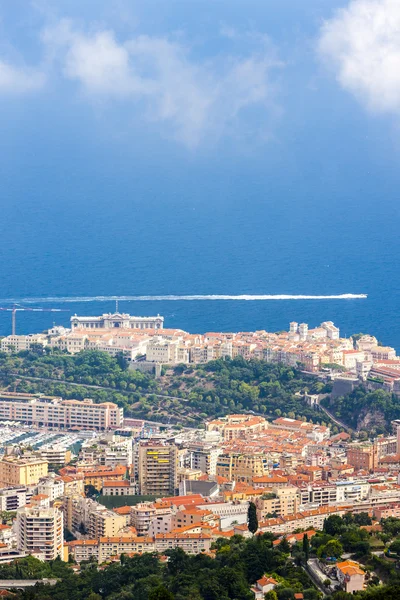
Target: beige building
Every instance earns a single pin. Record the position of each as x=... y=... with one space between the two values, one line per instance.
x=281 y=502
x=93 y=517
x=56 y=455
x=20 y=470
x=54 y=412
x=118 y=488
x=237 y=426
x=158 y=469
x=192 y=543
x=240 y=466
x=105 y=523
x=81 y=550
x=40 y=531
x=108 y=546
x=383 y=353
x=18 y=343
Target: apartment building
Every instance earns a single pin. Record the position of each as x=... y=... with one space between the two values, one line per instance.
x=51 y=486
x=115 y=546
x=110 y=450
x=320 y=493
x=142 y=515
x=193 y=516
x=306 y=519
x=104 y=523
x=352 y=490
x=56 y=455
x=89 y=476
x=18 y=343
x=281 y=502
x=15 y=497
x=81 y=550
x=54 y=412
x=383 y=353
x=242 y=466
x=22 y=470
x=204 y=458
x=192 y=543
x=161 y=350
x=362 y=456
x=233 y=427
x=158 y=469
x=118 y=488
x=108 y=546
x=87 y=514
x=73 y=484
x=40 y=531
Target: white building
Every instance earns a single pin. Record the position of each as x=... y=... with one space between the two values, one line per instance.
x=117 y=320
x=12 y=498
x=352 y=491
x=18 y=343
x=40 y=531
x=205 y=459
x=332 y=332
x=163 y=351
x=52 y=486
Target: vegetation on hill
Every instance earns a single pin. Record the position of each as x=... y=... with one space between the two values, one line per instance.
x=230 y=572
x=356 y=408
x=185 y=394
x=238 y=563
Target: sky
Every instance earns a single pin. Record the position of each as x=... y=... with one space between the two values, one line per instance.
x=196 y=75
x=225 y=124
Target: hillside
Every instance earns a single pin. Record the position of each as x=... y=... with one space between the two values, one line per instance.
x=185 y=394
x=364 y=410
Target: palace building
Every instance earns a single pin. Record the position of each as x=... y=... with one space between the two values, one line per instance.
x=119 y=320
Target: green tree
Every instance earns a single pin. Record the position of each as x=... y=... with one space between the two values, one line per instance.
x=332 y=548
x=333 y=525
x=252 y=521
x=306 y=546
x=161 y=593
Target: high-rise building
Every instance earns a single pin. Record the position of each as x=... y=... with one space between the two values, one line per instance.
x=40 y=531
x=158 y=469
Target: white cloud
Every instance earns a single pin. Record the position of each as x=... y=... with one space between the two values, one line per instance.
x=191 y=99
x=14 y=80
x=362 y=43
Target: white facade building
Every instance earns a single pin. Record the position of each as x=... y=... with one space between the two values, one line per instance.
x=117 y=320
x=40 y=531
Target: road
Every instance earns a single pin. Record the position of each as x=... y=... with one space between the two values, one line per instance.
x=319 y=576
x=96 y=387
x=10 y=584
x=111 y=389
x=335 y=420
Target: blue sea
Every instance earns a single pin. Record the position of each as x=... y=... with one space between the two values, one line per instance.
x=103 y=217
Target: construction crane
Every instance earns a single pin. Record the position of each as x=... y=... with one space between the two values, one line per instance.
x=14 y=309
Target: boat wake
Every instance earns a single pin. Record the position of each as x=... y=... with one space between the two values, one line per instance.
x=177 y=298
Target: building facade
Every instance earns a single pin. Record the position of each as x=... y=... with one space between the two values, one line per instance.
x=41 y=532
x=49 y=411
x=117 y=320
x=158 y=469
x=18 y=470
